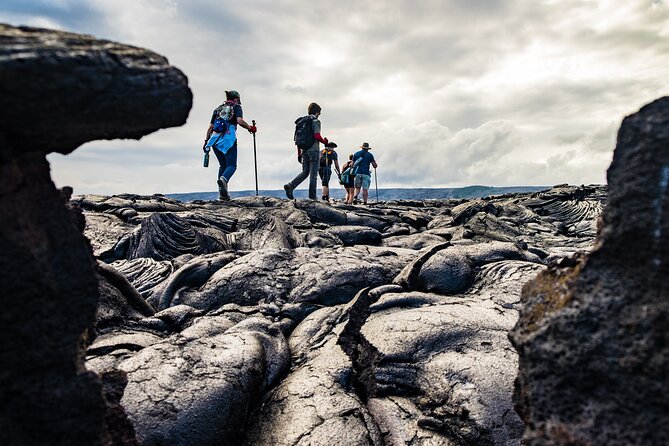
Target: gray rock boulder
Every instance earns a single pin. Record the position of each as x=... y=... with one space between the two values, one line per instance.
x=145 y=274
x=442 y=365
x=200 y=386
x=316 y=403
x=327 y=276
x=592 y=334
x=46 y=268
x=446 y=273
x=415 y=241
x=193 y=273
x=356 y=235
x=164 y=236
x=125 y=87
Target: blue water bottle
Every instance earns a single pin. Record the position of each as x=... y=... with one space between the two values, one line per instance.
x=206 y=154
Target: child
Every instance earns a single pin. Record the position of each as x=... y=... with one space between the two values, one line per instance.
x=348 y=179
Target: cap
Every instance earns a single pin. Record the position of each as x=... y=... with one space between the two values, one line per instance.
x=233 y=94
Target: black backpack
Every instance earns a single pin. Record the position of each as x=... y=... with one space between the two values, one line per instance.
x=326 y=158
x=304 y=132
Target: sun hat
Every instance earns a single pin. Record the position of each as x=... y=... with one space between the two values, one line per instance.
x=365 y=146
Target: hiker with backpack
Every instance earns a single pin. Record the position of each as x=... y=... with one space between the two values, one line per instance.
x=307 y=139
x=222 y=136
x=346 y=179
x=362 y=159
x=328 y=156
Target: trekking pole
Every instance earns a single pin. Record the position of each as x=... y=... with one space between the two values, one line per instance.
x=255 y=159
x=376 y=183
x=339 y=178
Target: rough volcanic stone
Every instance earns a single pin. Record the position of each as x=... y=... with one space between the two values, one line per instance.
x=165 y=236
x=425 y=368
x=316 y=403
x=199 y=387
x=268 y=231
x=446 y=273
x=193 y=273
x=326 y=276
x=414 y=241
x=356 y=235
x=113 y=309
x=57 y=91
x=145 y=274
x=319 y=238
x=593 y=333
x=45 y=396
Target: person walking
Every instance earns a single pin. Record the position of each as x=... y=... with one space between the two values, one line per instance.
x=222 y=136
x=310 y=153
x=328 y=156
x=363 y=177
x=347 y=179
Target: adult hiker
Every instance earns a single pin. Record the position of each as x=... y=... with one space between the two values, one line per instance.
x=363 y=178
x=346 y=179
x=328 y=156
x=307 y=139
x=222 y=136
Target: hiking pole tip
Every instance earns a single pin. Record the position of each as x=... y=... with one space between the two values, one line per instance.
x=255 y=159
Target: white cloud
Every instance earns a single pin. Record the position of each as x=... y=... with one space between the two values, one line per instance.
x=449 y=93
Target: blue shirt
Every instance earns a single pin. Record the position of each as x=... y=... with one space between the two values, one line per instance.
x=367 y=159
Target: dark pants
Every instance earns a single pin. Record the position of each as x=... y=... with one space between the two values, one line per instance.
x=310 y=162
x=228 y=162
x=325 y=173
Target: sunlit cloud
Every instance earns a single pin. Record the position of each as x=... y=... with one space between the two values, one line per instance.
x=449 y=93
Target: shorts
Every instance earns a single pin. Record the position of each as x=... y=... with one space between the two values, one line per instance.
x=325 y=173
x=362 y=180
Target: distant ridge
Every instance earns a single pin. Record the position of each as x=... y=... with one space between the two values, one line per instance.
x=422 y=193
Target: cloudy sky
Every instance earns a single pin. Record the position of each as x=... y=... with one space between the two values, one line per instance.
x=448 y=92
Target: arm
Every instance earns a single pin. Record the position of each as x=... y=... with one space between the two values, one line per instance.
x=250 y=128
x=374 y=164
x=319 y=138
x=210 y=129
x=337 y=165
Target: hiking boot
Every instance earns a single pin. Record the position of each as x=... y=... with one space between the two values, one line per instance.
x=223 y=189
x=355 y=200
x=289 y=191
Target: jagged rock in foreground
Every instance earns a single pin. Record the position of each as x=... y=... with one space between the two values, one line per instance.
x=319 y=324
x=57 y=91
x=593 y=334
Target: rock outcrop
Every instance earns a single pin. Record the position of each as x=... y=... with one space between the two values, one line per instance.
x=593 y=333
x=57 y=91
x=326 y=324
